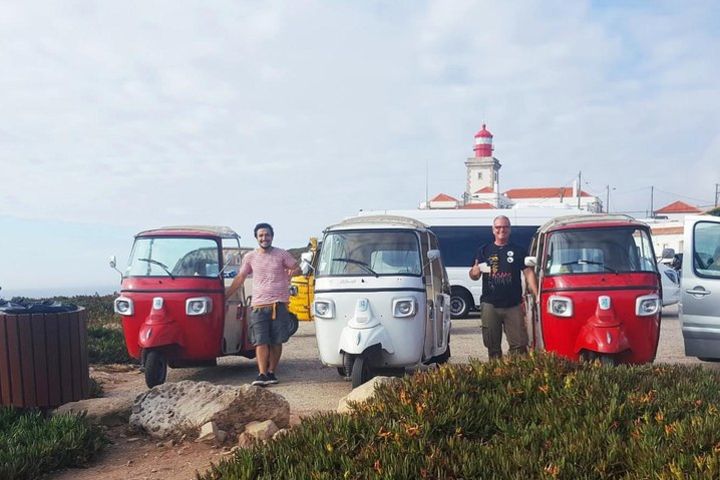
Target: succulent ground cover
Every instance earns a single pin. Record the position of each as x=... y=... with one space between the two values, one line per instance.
x=529 y=417
x=31 y=444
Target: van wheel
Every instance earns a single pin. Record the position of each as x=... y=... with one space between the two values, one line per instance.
x=360 y=371
x=460 y=303
x=155 y=368
x=293 y=325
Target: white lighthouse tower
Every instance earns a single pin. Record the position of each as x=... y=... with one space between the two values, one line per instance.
x=482 y=183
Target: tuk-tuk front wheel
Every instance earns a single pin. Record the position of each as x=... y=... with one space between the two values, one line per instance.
x=155 y=368
x=360 y=371
x=603 y=358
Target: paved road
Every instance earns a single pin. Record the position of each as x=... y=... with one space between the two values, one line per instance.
x=309 y=386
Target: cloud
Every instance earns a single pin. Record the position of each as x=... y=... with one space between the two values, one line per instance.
x=138 y=114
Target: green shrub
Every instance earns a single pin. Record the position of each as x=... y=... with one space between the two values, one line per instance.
x=106 y=344
x=532 y=417
x=31 y=445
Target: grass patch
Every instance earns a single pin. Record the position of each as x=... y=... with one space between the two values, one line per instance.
x=31 y=444
x=532 y=417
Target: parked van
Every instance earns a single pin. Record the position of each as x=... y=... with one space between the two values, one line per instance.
x=460 y=233
x=700 y=287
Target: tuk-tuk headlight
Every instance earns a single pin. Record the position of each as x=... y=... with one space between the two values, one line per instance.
x=324 y=308
x=198 y=306
x=293 y=290
x=124 y=306
x=560 y=306
x=647 y=305
x=404 y=307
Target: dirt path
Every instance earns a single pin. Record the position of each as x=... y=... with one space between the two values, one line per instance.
x=305 y=383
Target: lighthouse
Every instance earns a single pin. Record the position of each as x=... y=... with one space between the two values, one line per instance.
x=482 y=171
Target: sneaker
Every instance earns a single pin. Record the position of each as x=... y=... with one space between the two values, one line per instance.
x=272 y=379
x=261 y=380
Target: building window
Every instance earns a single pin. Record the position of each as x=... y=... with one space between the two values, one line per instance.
x=479 y=176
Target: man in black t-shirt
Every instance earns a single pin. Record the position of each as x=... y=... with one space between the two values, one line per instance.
x=499 y=264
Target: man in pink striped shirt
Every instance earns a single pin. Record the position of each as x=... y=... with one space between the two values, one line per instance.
x=269 y=327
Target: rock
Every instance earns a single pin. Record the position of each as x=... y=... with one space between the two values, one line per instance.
x=363 y=392
x=108 y=411
x=208 y=432
x=245 y=440
x=280 y=433
x=261 y=430
x=221 y=436
x=173 y=409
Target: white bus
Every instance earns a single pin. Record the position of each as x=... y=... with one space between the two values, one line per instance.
x=461 y=232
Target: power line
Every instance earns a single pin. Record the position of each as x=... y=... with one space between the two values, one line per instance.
x=703 y=201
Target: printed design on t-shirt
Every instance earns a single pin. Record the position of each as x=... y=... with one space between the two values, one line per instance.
x=497 y=278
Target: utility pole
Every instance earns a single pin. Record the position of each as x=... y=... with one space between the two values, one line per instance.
x=579 y=187
x=607 y=199
x=717 y=193
x=652 y=209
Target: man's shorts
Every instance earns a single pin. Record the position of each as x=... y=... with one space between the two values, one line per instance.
x=264 y=330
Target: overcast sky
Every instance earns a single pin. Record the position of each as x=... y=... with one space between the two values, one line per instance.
x=120 y=116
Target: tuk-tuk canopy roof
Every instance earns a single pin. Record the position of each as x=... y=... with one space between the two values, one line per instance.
x=378 y=221
x=191 y=231
x=601 y=220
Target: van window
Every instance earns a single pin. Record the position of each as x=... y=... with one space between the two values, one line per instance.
x=459 y=245
x=706 y=250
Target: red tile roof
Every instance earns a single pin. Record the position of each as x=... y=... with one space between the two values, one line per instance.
x=546 y=192
x=679 y=207
x=485 y=190
x=441 y=197
x=477 y=206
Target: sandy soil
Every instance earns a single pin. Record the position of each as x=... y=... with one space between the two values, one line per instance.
x=305 y=382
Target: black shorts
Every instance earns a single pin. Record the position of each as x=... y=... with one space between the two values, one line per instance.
x=264 y=330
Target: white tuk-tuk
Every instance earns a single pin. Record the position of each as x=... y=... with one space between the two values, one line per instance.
x=381 y=297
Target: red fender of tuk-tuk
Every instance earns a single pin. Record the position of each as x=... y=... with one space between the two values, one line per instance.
x=159 y=331
x=601 y=339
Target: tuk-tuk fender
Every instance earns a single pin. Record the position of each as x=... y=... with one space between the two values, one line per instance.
x=355 y=341
x=158 y=335
x=602 y=339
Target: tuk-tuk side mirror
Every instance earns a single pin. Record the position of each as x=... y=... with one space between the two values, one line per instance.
x=306 y=262
x=531 y=262
x=113 y=265
x=433 y=254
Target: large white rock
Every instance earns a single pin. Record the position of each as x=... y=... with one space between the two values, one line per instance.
x=363 y=392
x=173 y=409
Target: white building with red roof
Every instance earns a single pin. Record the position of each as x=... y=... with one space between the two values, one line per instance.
x=677 y=211
x=554 y=196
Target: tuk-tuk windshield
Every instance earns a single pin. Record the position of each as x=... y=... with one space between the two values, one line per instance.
x=173 y=257
x=598 y=250
x=369 y=252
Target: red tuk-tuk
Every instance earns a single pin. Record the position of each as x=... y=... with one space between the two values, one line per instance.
x=599 y=289
x=172 y=299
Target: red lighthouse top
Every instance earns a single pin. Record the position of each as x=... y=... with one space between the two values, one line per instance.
x=483 y=143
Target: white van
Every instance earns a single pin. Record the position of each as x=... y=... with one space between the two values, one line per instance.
x=462 y=231
x=700 y=287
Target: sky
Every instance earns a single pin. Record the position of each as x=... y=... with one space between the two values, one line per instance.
x=120 y=116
